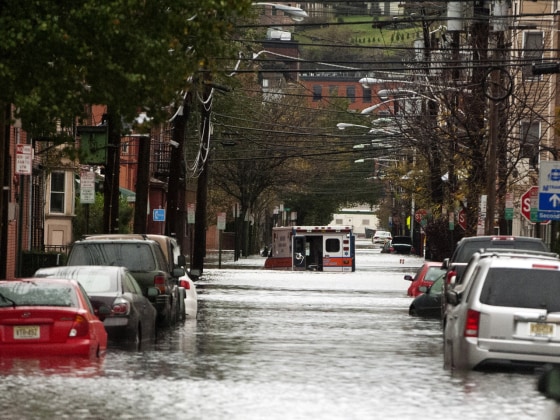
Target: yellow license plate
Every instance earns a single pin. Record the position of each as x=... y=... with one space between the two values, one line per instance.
x=26 y=332
x=541 y=330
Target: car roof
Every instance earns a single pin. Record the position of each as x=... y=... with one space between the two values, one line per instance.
x=67 y=268
x=520 y=262
x=53 y=280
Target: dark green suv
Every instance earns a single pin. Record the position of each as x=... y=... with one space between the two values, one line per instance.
x=145 y=260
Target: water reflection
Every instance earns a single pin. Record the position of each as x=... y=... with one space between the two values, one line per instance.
x=275 y=346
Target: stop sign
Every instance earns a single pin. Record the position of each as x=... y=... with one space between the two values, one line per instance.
x=462 y=219
x=526 y=202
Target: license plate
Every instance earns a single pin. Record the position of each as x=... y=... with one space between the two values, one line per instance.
x=539 y=329
x=26 y=332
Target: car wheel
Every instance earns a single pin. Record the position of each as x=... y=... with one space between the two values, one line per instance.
x=412 y=311
x=138 y=338
x=171 y=318
x=447 y=355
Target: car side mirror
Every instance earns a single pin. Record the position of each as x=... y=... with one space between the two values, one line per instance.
x=452 y=297
x=194 y=274
x=445 y=264
x=153 y=292
x=408 y=277
x=178 y=272
x=181 y=261
x=423 y=289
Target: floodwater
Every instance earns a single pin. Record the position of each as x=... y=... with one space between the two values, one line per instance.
x=278 y=345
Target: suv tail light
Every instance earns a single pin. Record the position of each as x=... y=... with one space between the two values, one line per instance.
x=159 y=283
x=185 y=284
x=80 y=327
x=471 y=324
x=121 y=307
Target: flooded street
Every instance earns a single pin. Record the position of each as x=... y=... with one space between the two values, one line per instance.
x=279 y=345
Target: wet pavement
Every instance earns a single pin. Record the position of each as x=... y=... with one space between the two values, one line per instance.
x=279 y=345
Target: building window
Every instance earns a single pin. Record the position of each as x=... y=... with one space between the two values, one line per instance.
x=317 y=93
x=365 y=222
x=529 y=142
x=58 y=182
x=338 y=222
x=366 y=94
x=351 y=93
x=333 y=91
x=532 y=53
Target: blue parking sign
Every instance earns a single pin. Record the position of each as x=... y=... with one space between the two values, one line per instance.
x=549 y=190
x=159 y=215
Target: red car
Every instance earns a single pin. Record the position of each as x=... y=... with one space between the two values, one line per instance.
x=425 y=276
x=50 y=317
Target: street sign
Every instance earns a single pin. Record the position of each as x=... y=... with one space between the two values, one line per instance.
x=191 y=208
x=526 y=203
x=93 y=144
x=159 y=215
x=87 y=187
x=462 y=219
x=508 y=214
x=221 y=221
x=419 y=215
x=24 y=159
x=549 y=190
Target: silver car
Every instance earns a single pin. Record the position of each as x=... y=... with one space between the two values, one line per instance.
x=507 y=316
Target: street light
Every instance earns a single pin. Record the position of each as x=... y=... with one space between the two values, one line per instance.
x=398 y=94
x=297 y=14
x=343 y=126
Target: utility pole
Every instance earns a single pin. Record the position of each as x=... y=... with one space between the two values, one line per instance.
x=142 y=185
x=175 y=221
x=475 y=104
x=112 y=172
x=5 y=111
x=199 y=251
x=495 y=187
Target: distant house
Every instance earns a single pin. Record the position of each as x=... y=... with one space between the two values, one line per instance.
x=361 y=219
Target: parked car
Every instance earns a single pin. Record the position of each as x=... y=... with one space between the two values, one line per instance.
x=402 y=245
x=458 y=285
x=507 y=315
x=190 y=301
x=133 y=318
x=52 y=317
x=428 y=303
x=381 y=237
x=466 y=247
x=548 y=384
x=144 y=259
x=387 y=248
x=425 y=276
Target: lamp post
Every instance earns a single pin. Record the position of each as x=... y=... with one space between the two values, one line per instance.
x=297 y=14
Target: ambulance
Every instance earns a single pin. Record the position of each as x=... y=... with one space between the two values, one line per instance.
x=314 y=248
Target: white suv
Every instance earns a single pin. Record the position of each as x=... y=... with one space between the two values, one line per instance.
x=507 y=315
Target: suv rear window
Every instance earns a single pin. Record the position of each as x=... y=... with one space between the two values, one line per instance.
x=402 y=240
x=135 y=257
x=522 y=288
x=469 y=248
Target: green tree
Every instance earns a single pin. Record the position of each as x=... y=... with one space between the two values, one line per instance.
x=89 y=217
